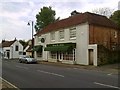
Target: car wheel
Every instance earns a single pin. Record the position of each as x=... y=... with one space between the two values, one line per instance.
x=20 y=61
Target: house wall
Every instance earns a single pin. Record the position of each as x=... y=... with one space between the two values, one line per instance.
x=103 y=36
x=28 y=53
x=13 y=53
x=82 y=41
x=82 y=44
x=5 y=52
x=107 y=40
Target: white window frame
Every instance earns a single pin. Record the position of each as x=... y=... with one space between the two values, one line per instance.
x=52 y=36
x=61 y=35
x=72 y=33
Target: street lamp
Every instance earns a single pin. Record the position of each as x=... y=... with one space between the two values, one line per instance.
x=32 y=36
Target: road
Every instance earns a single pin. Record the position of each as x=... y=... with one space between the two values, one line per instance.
x=48 y=76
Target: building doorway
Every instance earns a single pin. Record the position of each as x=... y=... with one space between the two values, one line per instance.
x=91 y=57
x=8 y=55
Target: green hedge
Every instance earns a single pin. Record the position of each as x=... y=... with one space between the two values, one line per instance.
x=106 y=56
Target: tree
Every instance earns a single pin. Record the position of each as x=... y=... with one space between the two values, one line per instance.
x=115 y=17
x=103 y=11
x=44 y=17
x=23 y=42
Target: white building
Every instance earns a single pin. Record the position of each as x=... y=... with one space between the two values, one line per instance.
x=12 y=49
x=73 y=40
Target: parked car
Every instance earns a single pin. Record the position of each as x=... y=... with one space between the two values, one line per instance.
x=27 y=59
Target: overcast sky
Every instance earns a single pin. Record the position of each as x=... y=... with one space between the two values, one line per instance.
x=15 y=14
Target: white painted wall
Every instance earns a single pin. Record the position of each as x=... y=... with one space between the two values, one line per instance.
x=4 y=51
x=82 y=44
x=26 y=48
x=13 y=53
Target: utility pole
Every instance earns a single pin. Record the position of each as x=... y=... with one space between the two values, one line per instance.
x=32 y=38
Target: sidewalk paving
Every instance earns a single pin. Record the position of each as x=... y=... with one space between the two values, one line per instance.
x=6 y=86
x=110 y=68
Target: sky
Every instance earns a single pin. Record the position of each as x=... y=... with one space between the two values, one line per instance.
x=15 y=14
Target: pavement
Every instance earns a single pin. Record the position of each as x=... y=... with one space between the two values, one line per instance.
x=6 y=85
x=111 y=69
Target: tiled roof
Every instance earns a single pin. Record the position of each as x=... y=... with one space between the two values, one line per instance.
x=91 y=18
x=7 y=43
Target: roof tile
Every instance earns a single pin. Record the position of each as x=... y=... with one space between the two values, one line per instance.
x=7 y=43
x=91 y=18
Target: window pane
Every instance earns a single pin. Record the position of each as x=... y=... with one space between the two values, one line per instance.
x=16 y=48
x=61 y=33
x=73 y=33
x=53 y=55
x=20 y=53
x=39 y=54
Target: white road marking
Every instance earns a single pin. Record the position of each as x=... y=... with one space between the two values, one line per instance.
x=109 y=74
x=51 y=73
x=75 y=68
x=8 y=83
x=106 y=85
x=21 y=67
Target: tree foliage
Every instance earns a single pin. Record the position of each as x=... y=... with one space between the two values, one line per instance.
x=44 y=17
x=23 y=42
x=115 y=17
x=103 y=11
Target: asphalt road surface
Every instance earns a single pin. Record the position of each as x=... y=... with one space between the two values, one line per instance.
x=48 y=76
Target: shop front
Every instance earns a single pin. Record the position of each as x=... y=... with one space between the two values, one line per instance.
x=64 y=52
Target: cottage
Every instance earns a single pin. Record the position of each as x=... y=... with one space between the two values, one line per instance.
x=11 y=49
x=28 y=48
x=76 y=40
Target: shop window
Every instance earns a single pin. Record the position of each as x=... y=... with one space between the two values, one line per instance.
x=39 y=54
x=53 y=55
x=68 y=56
